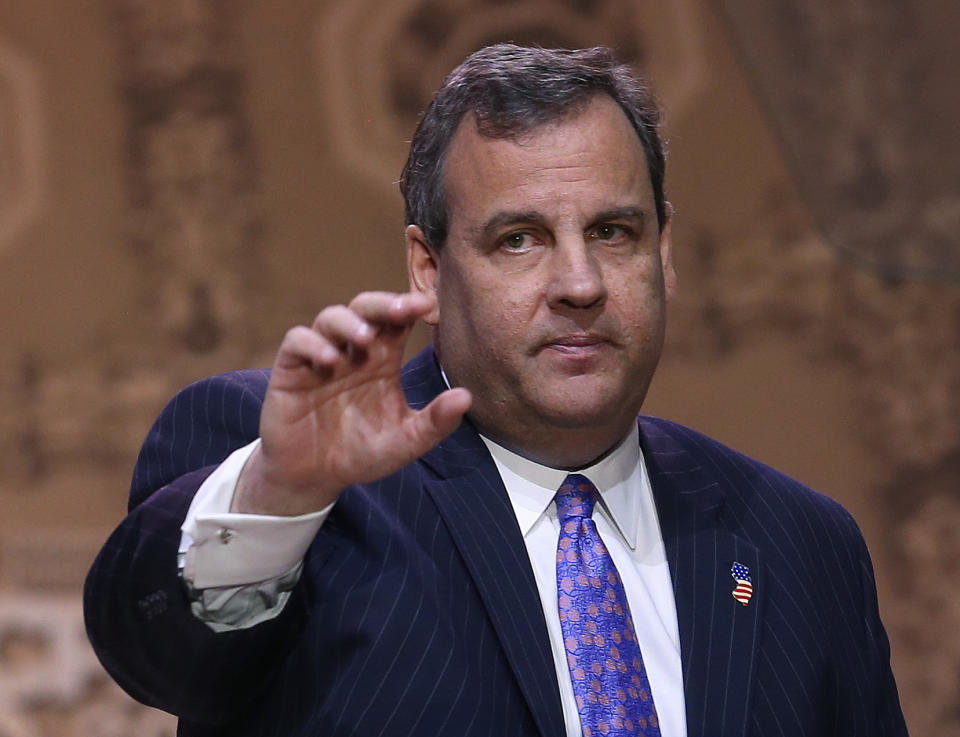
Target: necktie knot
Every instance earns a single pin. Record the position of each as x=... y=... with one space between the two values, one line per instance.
x=576 y=498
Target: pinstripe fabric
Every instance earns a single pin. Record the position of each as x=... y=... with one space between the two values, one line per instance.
x=406 y=624
x=808 y=655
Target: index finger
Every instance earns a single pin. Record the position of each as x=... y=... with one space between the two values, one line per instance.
x=390 y=308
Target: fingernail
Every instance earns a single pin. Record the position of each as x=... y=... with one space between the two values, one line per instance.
x=363 y=331
x=330 y=353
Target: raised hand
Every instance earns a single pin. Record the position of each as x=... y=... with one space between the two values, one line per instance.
x=335 y=414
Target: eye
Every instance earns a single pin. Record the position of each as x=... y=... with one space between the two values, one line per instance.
x=517 y=242
x=607 y=232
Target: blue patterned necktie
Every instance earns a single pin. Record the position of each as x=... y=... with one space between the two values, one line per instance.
x=609 y=681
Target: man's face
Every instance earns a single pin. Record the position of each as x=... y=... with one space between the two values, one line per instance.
x=552 y=283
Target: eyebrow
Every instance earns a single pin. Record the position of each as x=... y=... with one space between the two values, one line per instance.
x=513 y=217
x=630 y=212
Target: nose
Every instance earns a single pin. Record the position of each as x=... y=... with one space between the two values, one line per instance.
x=576 y=278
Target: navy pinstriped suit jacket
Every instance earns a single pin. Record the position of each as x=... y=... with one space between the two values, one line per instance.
x=418 y=613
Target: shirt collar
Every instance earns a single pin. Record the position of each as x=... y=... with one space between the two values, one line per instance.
x=619 y=476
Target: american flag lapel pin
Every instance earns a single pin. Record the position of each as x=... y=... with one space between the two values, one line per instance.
x=744 y=588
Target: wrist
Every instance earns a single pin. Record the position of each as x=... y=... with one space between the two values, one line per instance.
x=259 y=491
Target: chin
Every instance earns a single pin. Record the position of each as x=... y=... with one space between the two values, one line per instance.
x=575 y=415
x=589 y=404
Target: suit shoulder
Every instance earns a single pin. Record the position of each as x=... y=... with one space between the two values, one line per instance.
x=751 y=489
x=222 y=401
x=216 y=399
x=199 y=427
x=241 y=382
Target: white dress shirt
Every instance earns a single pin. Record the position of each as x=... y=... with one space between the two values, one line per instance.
x=626 y=519
x=244 y=565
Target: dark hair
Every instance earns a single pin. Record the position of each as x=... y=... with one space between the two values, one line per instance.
x=511 y=90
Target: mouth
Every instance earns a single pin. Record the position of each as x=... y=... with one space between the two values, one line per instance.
x=576 y=344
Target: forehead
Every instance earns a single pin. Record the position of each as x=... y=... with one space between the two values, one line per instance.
x=592 y=157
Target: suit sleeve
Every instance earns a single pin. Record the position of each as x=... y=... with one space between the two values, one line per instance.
x=136 y=608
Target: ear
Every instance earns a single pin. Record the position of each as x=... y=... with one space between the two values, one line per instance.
x=422 y=271
x=666 y=254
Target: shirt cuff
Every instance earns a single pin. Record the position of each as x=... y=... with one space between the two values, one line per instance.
x=223 y=548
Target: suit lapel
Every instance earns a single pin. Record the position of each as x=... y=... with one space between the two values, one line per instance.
x=718 y=635
x=474 y=505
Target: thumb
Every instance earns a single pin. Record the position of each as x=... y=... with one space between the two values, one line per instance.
x=440 y=418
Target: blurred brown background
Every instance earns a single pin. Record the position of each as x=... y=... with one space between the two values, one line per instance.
x=181 y=180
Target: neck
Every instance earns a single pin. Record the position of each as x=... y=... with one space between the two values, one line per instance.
x=568 y=450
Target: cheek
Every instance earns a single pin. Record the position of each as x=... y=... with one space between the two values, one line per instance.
x=501 y=322
x=637 y=282
x=490 y=300
x=640 y=311
x=471 y=318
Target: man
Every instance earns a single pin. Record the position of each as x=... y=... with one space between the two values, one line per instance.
x=490 y=541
